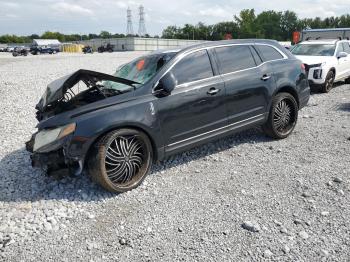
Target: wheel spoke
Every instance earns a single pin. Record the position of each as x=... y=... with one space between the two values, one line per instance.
x=124 y=158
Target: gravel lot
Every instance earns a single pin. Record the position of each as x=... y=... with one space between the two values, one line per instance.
x=243 y=198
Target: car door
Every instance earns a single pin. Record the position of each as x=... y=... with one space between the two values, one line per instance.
x=247 y=86
x=196 y=106
x=342 y=63
x=346 y=48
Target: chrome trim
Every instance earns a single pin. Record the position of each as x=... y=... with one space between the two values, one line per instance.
x=254 y=118
x=183 y=55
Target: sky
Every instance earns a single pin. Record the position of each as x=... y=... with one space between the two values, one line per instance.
x=25 y=17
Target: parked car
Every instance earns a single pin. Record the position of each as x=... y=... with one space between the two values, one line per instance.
x=20 y=51
x=9 y=49
x=88 y=50
x=163 y=103
x=326 y=61
x=2 y=49
x=37 y=50
x=107 y=48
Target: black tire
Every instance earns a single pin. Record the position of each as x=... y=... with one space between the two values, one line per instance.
x=283 y=116
x=328 y=85
x=347 y=81
x=121 y=160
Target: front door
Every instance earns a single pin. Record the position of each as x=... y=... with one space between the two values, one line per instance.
x=195 y=108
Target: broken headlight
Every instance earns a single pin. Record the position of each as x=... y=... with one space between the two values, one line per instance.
x=50 y=136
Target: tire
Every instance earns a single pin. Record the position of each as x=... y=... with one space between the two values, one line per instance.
x=283 y=116
x=121 y=160
x=328 y=85
x=347 y=81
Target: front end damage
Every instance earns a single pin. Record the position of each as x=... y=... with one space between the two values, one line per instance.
x=54 y=159
x=54 y=147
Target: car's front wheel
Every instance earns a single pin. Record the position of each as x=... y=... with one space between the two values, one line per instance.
x=121 y=160
x=328 y=85
x=283 y=116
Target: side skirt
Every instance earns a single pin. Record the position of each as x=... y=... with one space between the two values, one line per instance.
x=214 y=134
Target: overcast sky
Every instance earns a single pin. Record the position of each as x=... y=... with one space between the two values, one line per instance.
x=84 y=16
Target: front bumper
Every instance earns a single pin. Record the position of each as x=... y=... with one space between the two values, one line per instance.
x=316 y=75
x=56 y=161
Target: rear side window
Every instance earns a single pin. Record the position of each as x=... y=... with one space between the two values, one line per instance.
x=346 y=47
x=195 y=66
x=234 y=58
x=269 y=53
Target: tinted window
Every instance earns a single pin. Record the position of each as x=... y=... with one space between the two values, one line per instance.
x=234 y=58
x=346 y=47
x=193 y=67
x=269 y=53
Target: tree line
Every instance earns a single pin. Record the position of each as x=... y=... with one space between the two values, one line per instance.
x=268 y=24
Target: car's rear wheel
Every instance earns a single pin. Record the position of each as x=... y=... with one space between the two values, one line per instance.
x=121 y=160
x=347 y=81
x=283 y=116
x=328 y=85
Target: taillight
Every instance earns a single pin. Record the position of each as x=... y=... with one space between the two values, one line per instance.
x=302 y=66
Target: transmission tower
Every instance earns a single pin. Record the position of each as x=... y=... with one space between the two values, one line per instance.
x=129 y=28
x=142 y=25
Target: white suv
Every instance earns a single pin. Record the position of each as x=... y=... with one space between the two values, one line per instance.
x=326 y=61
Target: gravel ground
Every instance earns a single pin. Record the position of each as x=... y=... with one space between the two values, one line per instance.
x=243 y=198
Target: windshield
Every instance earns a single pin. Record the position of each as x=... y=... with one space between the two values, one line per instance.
x=139 y=70
x=314 y=49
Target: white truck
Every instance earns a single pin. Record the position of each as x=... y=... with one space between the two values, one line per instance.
x=325 y=53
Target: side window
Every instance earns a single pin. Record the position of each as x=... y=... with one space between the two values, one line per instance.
x=195 y=66
x=340 y=48
x=346 y=47
x=234 y=58
x=269 y=53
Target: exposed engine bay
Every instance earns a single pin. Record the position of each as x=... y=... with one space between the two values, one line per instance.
x=78 y=89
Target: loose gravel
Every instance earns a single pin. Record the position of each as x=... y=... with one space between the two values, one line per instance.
x=242 y=198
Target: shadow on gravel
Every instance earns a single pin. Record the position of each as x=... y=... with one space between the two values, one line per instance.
x=20 y=182
x=316 y=90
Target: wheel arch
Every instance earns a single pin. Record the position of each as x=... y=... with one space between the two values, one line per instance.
x=334 y=71
x=156 y=154
x=290 y=90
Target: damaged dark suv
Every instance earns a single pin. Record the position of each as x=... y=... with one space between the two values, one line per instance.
x=116 y=126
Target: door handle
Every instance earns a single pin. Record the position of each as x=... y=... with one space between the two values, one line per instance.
x=265 y=77
x=213 y=91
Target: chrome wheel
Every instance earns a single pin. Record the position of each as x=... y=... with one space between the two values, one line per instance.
x=282 y=115
x=284 y=118
x=124 y=159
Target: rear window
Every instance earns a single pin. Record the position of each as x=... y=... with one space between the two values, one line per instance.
x=234 y=58
x=269 y=53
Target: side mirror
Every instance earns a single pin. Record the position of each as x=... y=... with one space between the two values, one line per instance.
x=165 y=85
x=342 y=55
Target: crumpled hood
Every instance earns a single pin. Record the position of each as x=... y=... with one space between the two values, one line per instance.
x=312 y=60
x=56 y=89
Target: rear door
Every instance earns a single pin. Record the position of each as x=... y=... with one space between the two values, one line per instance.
x=247 y=86
x=346 y=48
x=196 y=106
